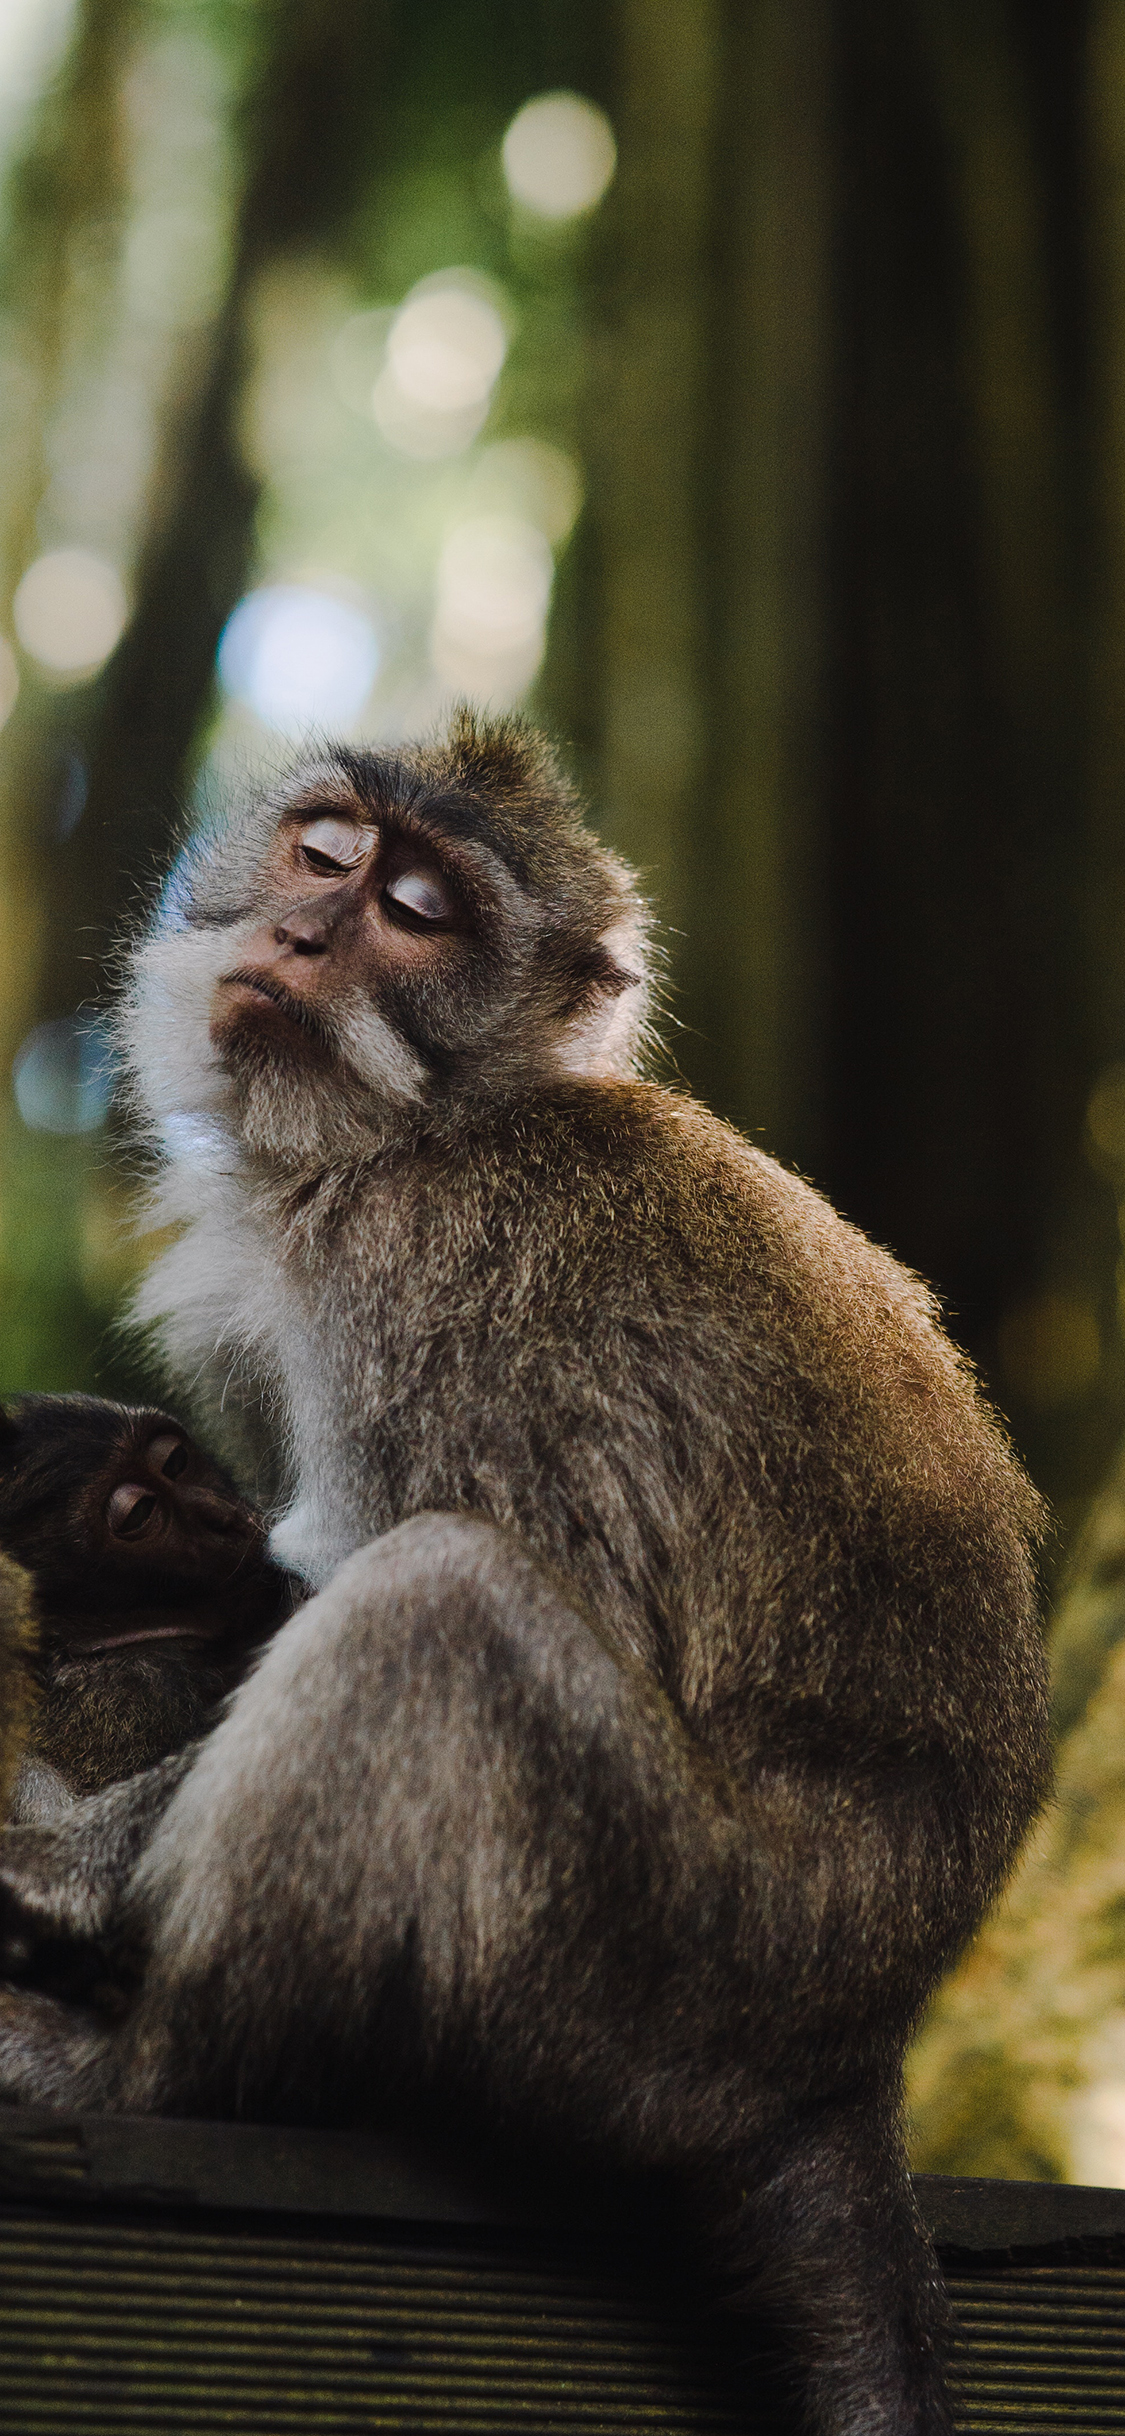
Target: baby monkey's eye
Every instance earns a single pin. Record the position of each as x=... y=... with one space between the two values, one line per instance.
x=420 y=896
x=335 y=845
x=129 y=1509
x=168 y=1455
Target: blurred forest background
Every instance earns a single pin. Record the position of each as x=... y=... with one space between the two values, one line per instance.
x=739 y=385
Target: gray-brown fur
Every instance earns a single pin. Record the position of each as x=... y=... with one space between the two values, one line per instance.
x=631 y=1791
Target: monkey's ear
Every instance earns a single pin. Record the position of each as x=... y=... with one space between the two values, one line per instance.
x=12 y=1442
x=600 y=1039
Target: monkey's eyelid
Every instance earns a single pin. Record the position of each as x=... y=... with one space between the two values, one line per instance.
x=420 y=893
x=169 y=1454
x=130 y=1508
x=337 y=843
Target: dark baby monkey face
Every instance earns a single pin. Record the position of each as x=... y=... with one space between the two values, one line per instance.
x=151 y=1577
x=181 y=1553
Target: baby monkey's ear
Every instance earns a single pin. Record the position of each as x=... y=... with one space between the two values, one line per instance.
x=9 y=1429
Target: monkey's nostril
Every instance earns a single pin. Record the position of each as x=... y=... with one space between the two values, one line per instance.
x=304 y=942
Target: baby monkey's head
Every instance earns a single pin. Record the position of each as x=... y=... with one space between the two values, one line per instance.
x=152 y=1584
x=388 y=938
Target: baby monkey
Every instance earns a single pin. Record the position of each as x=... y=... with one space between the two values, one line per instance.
x=150 y=1582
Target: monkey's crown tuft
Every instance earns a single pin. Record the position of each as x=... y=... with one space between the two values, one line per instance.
x=533 y=816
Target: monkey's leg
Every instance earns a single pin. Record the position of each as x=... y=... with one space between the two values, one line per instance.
x=438 y=1814
x=445 y=1839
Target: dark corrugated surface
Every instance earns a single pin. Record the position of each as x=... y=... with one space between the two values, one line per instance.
x=108 y=2325
x=1042 y=2349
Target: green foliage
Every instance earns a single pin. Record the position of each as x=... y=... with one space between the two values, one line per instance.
x=1020 y=2068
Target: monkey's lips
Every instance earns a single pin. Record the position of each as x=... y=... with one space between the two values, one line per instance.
x=144 y=1634
x=249 y=987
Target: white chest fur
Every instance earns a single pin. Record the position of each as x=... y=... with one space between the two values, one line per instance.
x=239 y=1320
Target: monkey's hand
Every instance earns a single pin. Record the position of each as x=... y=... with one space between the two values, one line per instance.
x=61 y=1887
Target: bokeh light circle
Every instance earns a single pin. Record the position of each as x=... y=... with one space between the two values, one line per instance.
x=445 y=348
x=298 y=658
x=493 y=594
x=70 y=612
x=62 y=1075
x=532 y=479
x=494 y=581
x=559 y=155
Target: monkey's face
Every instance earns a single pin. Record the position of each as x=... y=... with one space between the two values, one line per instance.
x=387 y=938
x=368 y=955
x=182 y=1555
x=134 y=1538
x=152 y=1583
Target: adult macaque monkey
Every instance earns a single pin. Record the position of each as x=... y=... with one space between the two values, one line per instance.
x=673 y=1701
x=150 y=1581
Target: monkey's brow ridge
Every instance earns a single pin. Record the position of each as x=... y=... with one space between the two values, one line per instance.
x=389 y=789
x=464 y=816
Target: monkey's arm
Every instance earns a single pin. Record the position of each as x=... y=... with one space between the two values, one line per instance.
x=61 y=1879
x=41 y=1796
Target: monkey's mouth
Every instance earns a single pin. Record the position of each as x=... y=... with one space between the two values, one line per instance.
x=198 y=1633
x=263 y=985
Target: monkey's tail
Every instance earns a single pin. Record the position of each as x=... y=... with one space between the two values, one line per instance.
x=823 y=2257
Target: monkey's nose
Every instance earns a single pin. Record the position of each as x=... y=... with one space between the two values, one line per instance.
x=217 y=1513
x=303 y=933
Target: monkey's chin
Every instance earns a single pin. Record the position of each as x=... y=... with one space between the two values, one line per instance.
x=282 y=1075
x=298 y=1101
x=251 y=1020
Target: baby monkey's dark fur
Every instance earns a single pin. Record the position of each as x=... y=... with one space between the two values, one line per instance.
x=630 y=1792
x=19 y=1646
x=150 y=1582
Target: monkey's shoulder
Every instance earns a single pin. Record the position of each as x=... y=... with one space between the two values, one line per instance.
x=598 y=1216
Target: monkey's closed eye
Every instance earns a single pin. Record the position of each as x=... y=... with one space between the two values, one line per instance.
x=130 y=1509
x=419 y=897
x=168 y=1455
x=335 y=845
